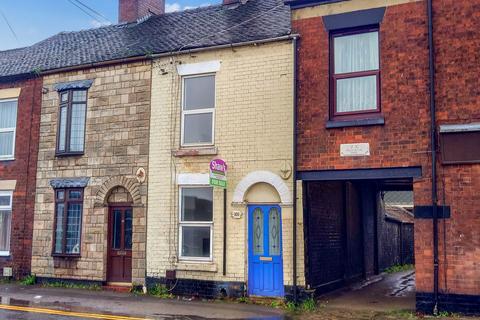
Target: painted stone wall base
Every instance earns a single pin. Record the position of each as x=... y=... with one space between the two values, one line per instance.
x=302 y=293
x=456 y=303
x=201 y=288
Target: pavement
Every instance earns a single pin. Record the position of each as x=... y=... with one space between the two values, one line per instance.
x=385 y=297
x=386 y=292
x=29 y=302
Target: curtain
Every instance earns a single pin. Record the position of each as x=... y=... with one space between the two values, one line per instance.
x=357 y=94
x=8 y=123
x=8 y=114
x=5 y=218
x=357 y=52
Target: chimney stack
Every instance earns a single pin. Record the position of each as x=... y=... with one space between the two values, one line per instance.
x=132 y=10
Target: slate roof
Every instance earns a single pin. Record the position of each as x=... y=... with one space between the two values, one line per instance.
x=190 y=29
x=398 y=198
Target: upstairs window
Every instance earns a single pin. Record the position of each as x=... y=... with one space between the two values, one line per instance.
x=68 y=221
x=198 y=110
x=71 y=122
x=355 y=72
x=8 y=127
x=5 y=221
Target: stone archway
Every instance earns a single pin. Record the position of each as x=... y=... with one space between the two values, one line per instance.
x=130 y=184
x=262 y=177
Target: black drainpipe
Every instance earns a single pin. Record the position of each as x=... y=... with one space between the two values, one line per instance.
x=433 y=151
x=294 y=170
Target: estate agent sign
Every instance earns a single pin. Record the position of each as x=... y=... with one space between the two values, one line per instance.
x=218 y=173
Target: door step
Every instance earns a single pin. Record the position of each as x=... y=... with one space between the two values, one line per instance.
x=117 y=287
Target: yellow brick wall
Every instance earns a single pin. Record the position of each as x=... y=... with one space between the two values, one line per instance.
x=253 y=131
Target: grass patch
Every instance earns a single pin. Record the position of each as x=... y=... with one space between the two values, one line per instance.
x=71 y=285
x=160 y=291
x=243 y=300
x=307 y=306
x=401 y=314
x=399 y=268
x=137 y=289
x=29 y=280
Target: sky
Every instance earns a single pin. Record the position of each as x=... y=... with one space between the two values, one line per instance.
x=35 y=20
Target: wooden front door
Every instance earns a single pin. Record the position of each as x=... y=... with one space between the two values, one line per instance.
x=120 y=244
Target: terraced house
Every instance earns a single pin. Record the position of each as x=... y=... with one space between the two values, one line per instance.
x=20 y=94
x=226 y=102
x=220 y=88
x=388 y=102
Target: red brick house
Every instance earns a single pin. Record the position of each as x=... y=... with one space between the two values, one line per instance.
x=371 y=95
x=20 y=100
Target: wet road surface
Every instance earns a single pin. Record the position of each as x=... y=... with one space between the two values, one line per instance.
x=36 y=313
x=32 y=313
x=139 y=306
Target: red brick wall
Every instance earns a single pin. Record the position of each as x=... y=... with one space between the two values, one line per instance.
x=23 y=169
x=131 y=10
x=457 y=50
x=404 y=104
x=404 y=140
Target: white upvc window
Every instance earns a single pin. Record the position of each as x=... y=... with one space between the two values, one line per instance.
x=8 y=128
x=198 y=110
x=196 y=223
x=5 y=221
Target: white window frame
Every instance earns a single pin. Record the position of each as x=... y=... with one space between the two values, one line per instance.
x=14 y=130
x=198 y=111
x=193 y=224
x=7 y=208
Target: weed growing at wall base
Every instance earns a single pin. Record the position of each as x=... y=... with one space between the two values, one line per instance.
x=70 y=285
x=399 y=268
x=29 y=280
x=160 y=291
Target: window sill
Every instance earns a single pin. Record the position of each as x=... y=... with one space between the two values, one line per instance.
x=69 y=154
x=7 y=159
x=355 y=123
x=200 y=151
x=4 y=254
x=66 y=256
x=192 y=265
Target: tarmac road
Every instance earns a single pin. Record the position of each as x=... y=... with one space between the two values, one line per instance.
x=34 y=302
x=8 y=312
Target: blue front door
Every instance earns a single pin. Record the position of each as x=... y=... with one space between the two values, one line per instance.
x=265 y=265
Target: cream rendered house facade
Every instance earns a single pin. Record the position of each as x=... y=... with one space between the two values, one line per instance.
x=234 y=104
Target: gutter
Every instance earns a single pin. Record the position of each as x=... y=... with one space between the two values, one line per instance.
x=166 y=54
x=433 y=150
x=299 y=4
x=295 y=105
x=225 y=46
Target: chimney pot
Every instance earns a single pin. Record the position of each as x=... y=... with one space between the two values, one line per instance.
x=132 y=10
